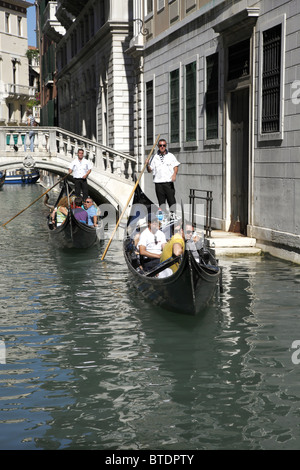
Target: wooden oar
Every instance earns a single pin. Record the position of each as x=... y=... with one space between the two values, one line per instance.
x=129 y=199
x=59 y=181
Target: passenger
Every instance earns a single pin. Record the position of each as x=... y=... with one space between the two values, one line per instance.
x=174 y=247
x=151 y=242
x=61 y=211
x=193 y=241
x=79 y=213
x=91 y=212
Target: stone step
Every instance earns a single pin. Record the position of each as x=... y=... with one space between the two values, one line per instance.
x=237 y=251
x=233 y=241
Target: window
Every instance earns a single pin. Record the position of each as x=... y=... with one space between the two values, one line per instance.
x=239 y=60
x=190 y=102
x=10 y=107
x=149 y=113
x=160 y=4
x=271 y=84
x=19 y=26
x=174 y=106
x=148 y=7
x=82 y=33
x=212 y=96
x=7 y=22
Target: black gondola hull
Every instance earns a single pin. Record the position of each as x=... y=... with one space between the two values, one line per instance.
x=188 y=291
x=74 y=234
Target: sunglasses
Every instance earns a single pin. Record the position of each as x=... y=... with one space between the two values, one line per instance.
x=162 y=145
x=188 y=232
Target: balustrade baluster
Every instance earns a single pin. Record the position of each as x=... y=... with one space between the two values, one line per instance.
x=75 y=148
x=99 y=162
x=108 y=167
x=27 y=141
x=69 y=148
x=19 y=141
x=130 y=170
x=61 y=144
x=44 y=141
x=11 y=141
x=35 y=142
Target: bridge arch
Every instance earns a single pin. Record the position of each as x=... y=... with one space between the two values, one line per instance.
x=112 y=174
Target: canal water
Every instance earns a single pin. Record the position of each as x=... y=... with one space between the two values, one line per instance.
x=86 y=364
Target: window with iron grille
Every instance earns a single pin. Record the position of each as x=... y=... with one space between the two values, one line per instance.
x=190 y=102
x=271 y=80
x=174 y=106
x=212 y=96
x=239 y=60
x=149 y=112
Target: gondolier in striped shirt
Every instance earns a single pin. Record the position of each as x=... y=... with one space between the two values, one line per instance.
x=164 y=166
x=81 y=168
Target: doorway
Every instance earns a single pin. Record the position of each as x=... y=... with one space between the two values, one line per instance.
x=239 y=174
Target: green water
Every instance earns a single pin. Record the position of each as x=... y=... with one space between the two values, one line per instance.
x=89 y=365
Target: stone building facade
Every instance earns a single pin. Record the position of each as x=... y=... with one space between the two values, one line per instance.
x=15 y=90
x=222 y=85
x=94 y=75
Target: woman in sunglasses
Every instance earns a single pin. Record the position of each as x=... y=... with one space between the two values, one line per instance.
x=164 y=166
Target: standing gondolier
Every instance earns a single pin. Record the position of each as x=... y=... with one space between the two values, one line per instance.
x=81 y=168
x=164 y=166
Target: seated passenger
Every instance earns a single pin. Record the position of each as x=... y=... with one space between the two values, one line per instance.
x=61 y=211
x=91 y=212
x=79 y=213
x=151 y=243
x=174 y=247
x=193 y=241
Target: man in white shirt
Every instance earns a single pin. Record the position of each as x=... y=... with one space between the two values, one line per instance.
x=81 y=168
x=164 y=166
x=151 y=242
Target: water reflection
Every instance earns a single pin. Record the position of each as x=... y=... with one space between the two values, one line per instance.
x=90 y=365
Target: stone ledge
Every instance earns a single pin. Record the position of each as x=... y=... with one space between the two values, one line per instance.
x=238 y=252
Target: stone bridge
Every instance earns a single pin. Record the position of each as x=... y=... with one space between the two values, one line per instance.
x=54 y=148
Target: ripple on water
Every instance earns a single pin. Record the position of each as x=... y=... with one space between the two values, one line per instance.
x=91 y=365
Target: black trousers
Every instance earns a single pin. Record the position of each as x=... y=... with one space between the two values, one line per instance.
x=150 y=264
x=165 y=192
x=81 y=185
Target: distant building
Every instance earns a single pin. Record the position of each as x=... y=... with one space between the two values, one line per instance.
x=34 y=79
x=93 y=75
x=15 y=89
x=49 y=31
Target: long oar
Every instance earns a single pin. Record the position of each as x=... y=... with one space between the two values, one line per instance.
x=59 y=181
x=129 y=199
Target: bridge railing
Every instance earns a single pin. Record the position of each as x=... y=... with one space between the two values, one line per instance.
x=57 y=142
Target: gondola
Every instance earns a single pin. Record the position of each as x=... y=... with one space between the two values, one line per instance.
x=189 y=289
x=2 y=178
x=72 y=233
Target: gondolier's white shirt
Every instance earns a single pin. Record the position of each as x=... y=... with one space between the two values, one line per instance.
x=80 y=167
x=162 y=167
x=148 y=238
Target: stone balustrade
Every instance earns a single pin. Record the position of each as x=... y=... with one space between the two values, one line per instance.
x=56 y=142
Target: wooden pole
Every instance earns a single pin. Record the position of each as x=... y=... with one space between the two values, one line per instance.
x=59 y=181
x=129 y=199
